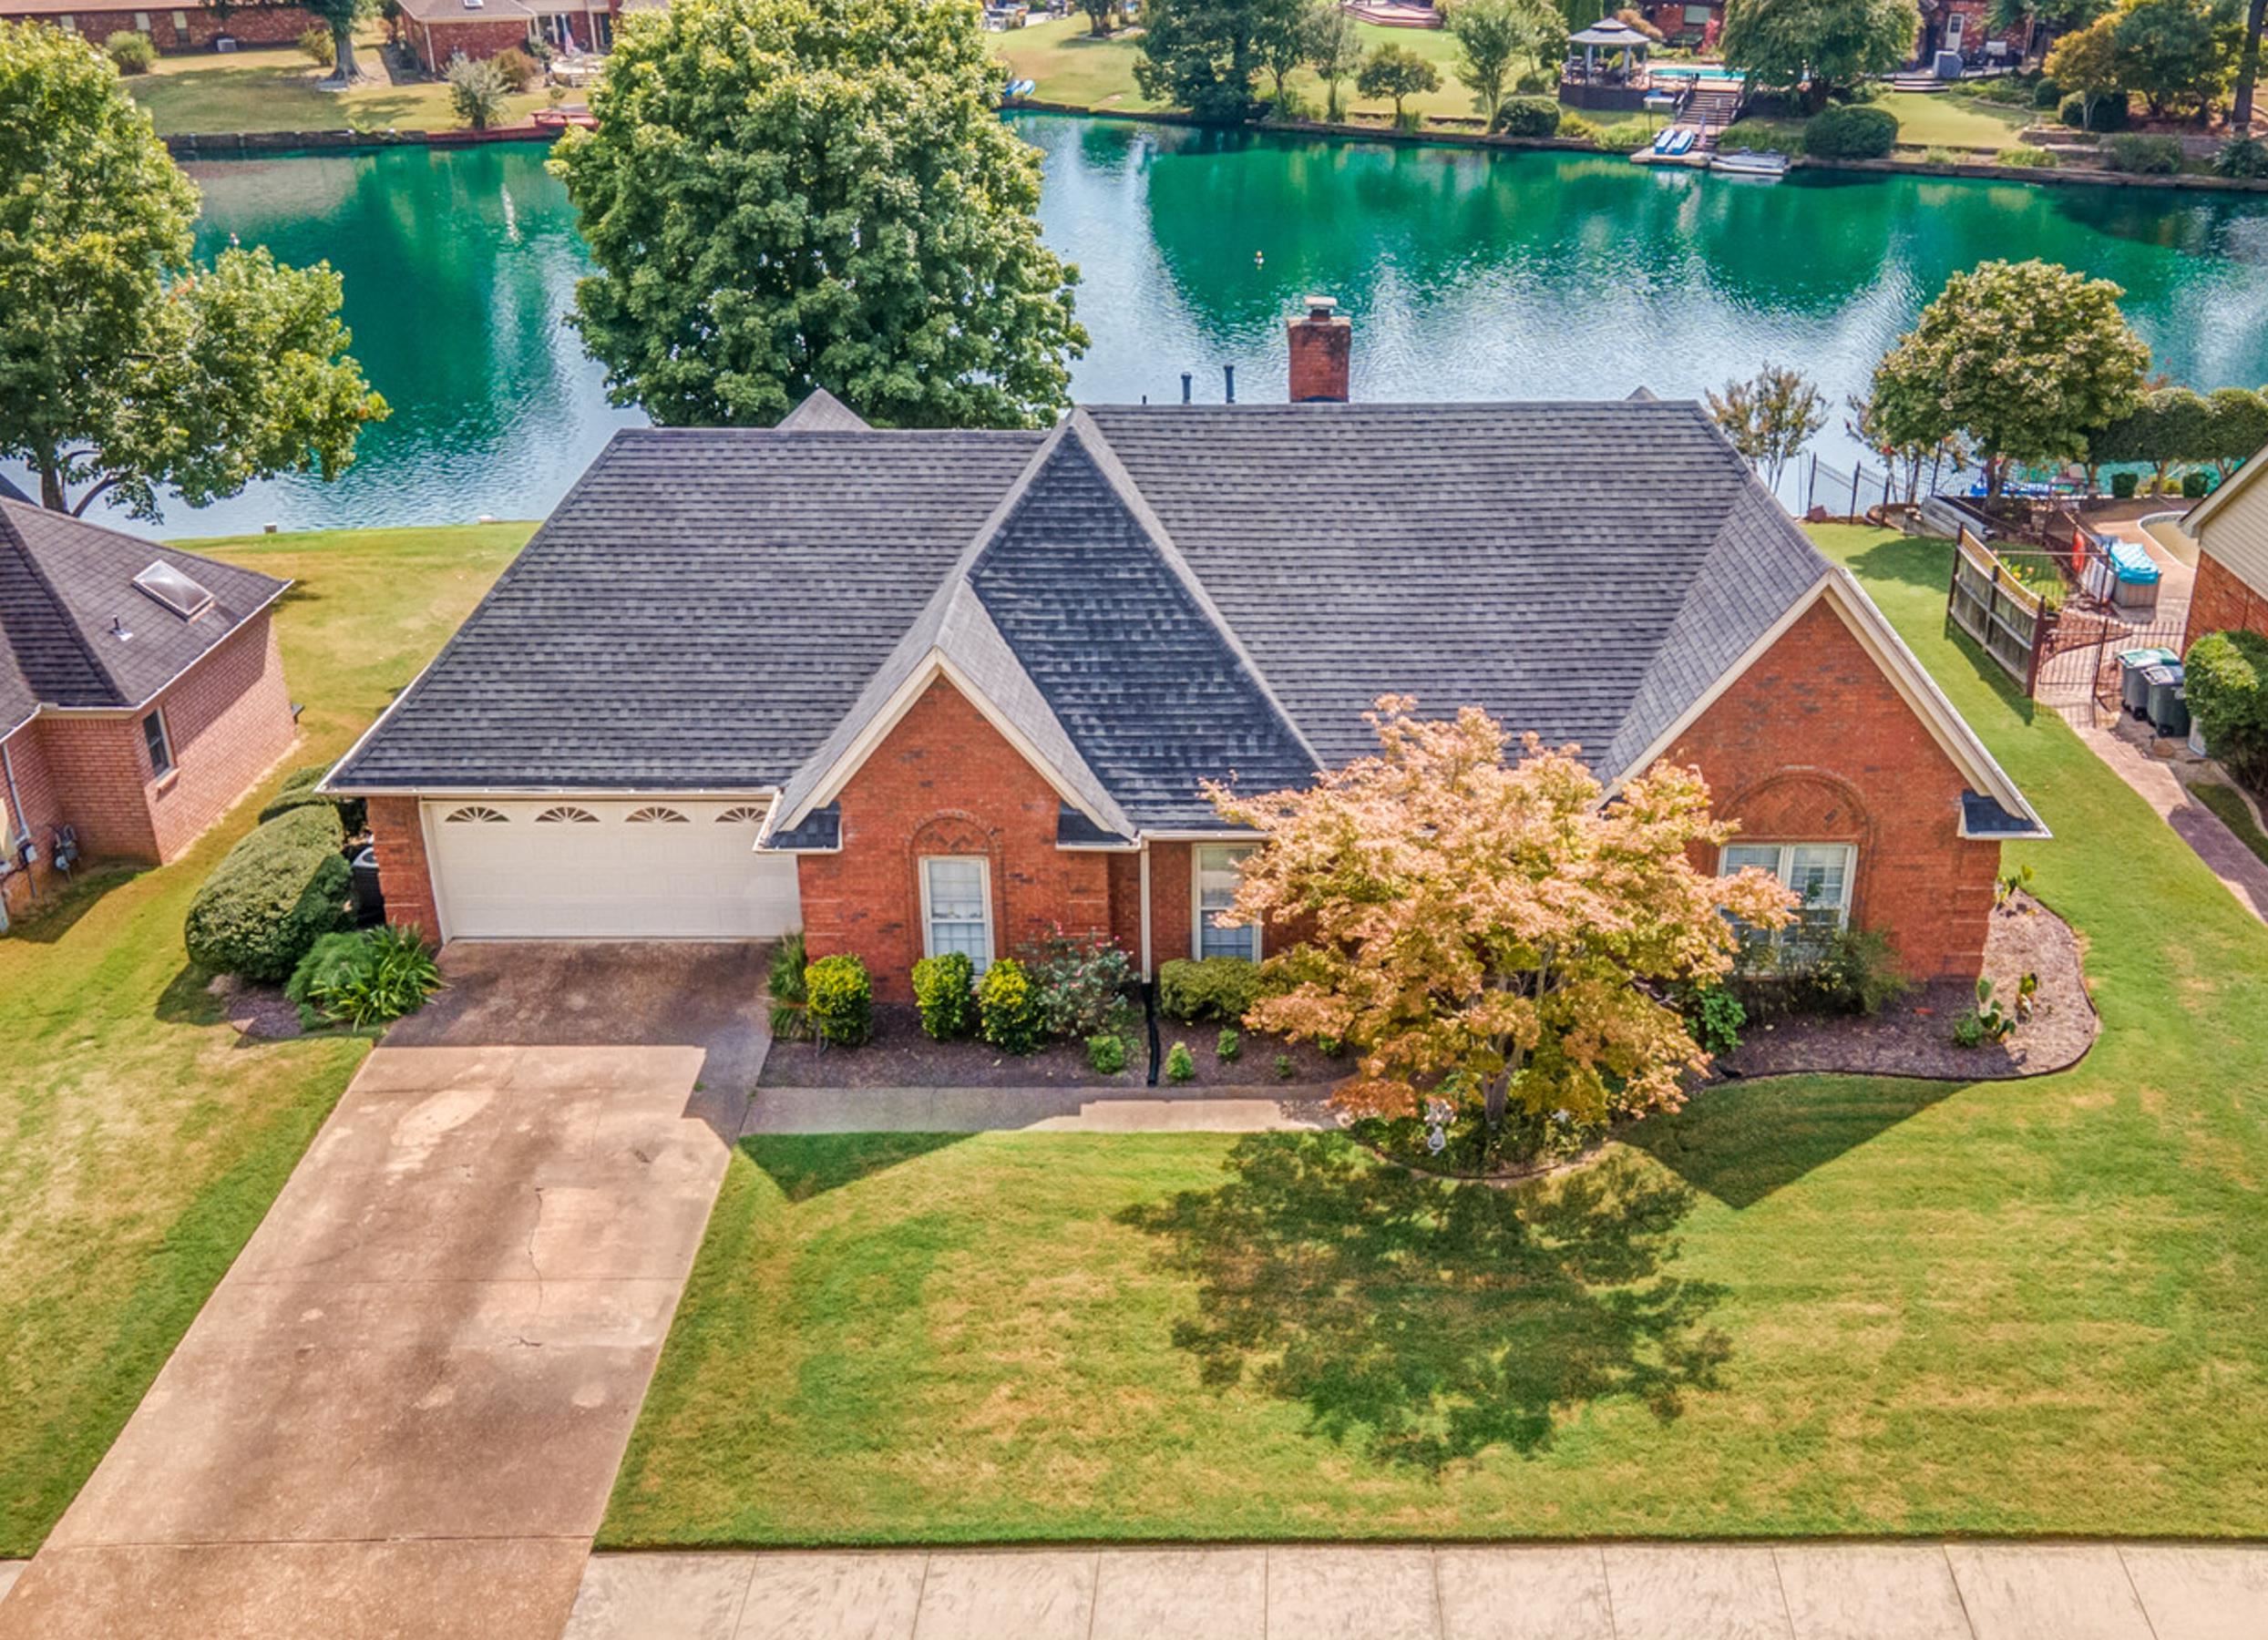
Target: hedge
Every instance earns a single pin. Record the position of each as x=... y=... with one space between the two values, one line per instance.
x=1528 y=117
x=1853 y=131
x=278 y=891
x=1218 y=988
x=841 y=1006
x=2227 y=675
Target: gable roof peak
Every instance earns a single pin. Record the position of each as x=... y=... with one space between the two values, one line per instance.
x=822 y=412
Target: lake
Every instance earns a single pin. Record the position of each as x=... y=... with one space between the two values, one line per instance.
x=1468 y=275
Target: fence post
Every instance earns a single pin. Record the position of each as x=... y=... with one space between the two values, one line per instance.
x=1854 y=514
x=1811 y=485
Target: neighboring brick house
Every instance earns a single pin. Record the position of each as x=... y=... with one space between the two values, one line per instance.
x=2231 y=530
x=186 y=27
x=434 y=31
x=923 y=691
x=141 y=694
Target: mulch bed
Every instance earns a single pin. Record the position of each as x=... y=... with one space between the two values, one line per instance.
x=901 y=1055
x=1913 y=1036
x=262 y=1012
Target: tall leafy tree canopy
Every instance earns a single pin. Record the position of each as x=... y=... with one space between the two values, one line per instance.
x=1203 y=55
x=2024 y=360
x=1496 y=39
x=1489 y=930
x=2179 y=54
x=1822 y=46
x=125 y=367
x=788 y=194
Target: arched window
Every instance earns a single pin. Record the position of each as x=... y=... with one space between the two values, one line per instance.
x=657 y=814
x=474 y=813
x=567 y=815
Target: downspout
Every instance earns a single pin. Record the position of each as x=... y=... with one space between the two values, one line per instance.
x=1145 y=911
x=16 y=818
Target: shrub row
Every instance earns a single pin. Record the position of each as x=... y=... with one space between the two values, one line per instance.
x=1217 y=988
x=1850 y=131
x=279 y=890
x=2227 y=675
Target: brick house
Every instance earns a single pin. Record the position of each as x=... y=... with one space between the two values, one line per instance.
x=2231 y=530
x=922 y=690
x=434 y=31
x=141 y=693
x=185 y=27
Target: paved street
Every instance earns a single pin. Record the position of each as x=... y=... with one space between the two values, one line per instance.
x=1615 y=1592
x=401 y=1412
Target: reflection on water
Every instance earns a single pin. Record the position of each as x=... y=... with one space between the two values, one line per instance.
x=1468 y=276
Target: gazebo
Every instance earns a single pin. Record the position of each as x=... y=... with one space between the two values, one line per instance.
x=1598 y=81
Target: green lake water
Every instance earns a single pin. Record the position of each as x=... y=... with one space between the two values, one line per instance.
x=1468 y=276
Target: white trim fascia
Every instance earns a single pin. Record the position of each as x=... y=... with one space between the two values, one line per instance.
x=441 y=794
x=427 y=841
x=1098 y=848
x=1221 y=834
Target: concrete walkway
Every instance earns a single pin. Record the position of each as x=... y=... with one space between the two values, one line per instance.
x=401 y=1412
x=2242 y=871
x=1032 y=1109
x=1584 y=1592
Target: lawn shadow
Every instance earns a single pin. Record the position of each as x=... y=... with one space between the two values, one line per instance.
x=52 y=917
x=1928 y=562
x=1429 y=1321
x=804 y=1165
x=1740 y=1141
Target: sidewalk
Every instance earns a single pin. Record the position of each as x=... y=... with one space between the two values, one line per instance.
x=1332 y=1592
x=1032 y=1109
x=2242 y=871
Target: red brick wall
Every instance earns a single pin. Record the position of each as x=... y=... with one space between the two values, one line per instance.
x=405 y=876
x=41 y=813
x=435 y=47
x=944 y=782
x=253 y=26
x=1869 y=775
x=2220 y=602
x=229 y=719
x=102 y=782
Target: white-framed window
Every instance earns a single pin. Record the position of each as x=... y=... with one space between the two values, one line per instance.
x=1952 y=31
x=1214 y=870
x=180 y=23
x=957 y=907
x=141 y=21
x=1819 y=875
x=159 y=743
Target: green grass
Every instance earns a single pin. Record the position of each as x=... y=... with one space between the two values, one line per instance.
x=2229 y=804
x=273 y=88
x=1941 y=119
x=140 y=1139
x=1818 y=1305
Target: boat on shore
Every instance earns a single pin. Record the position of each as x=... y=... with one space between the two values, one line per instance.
x=1751 y=162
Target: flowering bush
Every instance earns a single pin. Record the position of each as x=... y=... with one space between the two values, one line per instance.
x=1008 y=1005
x=1079 y=979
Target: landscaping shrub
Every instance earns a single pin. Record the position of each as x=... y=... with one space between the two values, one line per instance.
x=1228 y=1046
x=2196 y=485
x=2022 y=156
x=2047 y=94
x=1713 y=1018
x=787 y=987
x=1285 y=1069
x=279 y=890
x=1627 y=138
x=1941 y=156
x=2227 y=674
x=840 y=1001
x=317 y=44
x=2243 y=156
x=1080 y=981
x=298 y=791
x=2143 y=155
x=2122 y=485
x=1008 y=1007
x=1181 y=1065
x=367 y=979
x=515 y=67
x=132 y=53
x=1577 y=128
x=1218 y=988
x=2109 y=115
x=945 y=992
x=1528 y=117
x=1107 y=1053
x=1854 y=972
x=1850 y=132
x=476 y=91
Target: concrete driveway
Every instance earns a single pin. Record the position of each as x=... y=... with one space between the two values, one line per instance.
x=401 y=1412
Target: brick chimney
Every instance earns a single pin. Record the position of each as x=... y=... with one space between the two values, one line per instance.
x=1322 y=341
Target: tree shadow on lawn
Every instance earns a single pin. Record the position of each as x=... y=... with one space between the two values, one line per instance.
x=1929 y=563
x=804 y=1165
x=1431 y=1320
x=1740 y=1141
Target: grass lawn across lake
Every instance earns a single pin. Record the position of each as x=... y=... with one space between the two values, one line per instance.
x=1817 y=1304
x=273 y=88
x=141 y=1140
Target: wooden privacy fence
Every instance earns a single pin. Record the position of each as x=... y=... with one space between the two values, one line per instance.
x=2011 y=621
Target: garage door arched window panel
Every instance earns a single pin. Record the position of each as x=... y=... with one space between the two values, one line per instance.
x=957 y=907
x=1820 y=874
x=655 y=814
x=475 y=814
x=1216 y=868
x=741 y=814
x=566 y=814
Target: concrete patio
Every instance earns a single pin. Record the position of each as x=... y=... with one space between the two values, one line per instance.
x=1332 y=1592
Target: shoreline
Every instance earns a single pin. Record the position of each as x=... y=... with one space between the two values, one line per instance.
x=278 y=144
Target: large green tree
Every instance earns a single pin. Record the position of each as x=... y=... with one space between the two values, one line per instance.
x=1203 y=55
x=2024 y=360
x=2247 y=66
x=2041 y=22
x=1334 y=49
x=125 y=367
x=2087 y=64
x=1496 y=38
x=2179 y=54
x=339 y=16
x=1818 y=46
x=788 y=194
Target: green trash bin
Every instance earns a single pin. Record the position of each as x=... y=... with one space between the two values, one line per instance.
x=2133 y=692
x=2169 y=711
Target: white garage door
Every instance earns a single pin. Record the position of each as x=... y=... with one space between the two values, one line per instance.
x=583 y=869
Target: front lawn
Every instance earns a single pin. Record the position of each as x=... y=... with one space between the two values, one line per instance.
x=1818 y=1305
x=140 y=1139
x=273 y=88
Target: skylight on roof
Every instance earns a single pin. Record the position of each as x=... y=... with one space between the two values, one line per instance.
x=174 y=590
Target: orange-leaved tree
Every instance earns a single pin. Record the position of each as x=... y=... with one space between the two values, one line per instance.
x=1493 y=929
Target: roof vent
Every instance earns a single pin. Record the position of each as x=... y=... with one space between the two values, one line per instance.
x=174 y=590
x=117 y=628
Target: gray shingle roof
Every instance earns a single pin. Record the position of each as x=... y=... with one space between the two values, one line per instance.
x=66 y=589
x=1147 y=595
